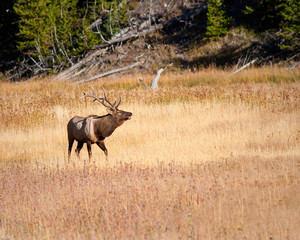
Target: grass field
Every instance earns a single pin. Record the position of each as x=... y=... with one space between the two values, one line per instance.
x=208 y=156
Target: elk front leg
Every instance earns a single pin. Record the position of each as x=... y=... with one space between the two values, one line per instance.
x=71 y=141
x=89 y=147
x=102 y=146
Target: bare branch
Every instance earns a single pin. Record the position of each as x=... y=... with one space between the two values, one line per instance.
x=62 y=48
x=142 y=82
x=95 y=24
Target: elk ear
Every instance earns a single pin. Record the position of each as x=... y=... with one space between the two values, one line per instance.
x=111 y=111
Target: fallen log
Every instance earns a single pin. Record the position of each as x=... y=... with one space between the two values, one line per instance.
x=108 y=73
x=129 y=36
x=146 y=27
x=245 y=66
x=64 y=74
x=158 y=26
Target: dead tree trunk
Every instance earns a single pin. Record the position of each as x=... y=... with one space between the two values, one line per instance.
x=154 y=82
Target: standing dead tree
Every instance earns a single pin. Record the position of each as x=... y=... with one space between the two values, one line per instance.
x=154 y=82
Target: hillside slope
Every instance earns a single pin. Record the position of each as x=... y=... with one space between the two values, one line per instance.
x=160 y=32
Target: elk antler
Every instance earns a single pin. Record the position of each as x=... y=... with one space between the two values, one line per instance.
x=101 y=100
x=113 y=106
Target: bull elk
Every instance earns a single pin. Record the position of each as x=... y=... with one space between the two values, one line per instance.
x=94 y=129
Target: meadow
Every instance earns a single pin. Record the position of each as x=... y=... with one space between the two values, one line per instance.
x=210 y=155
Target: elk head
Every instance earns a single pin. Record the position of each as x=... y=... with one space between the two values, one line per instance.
x=119 y=115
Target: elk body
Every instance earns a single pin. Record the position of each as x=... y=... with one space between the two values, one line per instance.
x=94 y=129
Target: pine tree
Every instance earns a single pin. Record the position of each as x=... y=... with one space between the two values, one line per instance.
x=54 y=32
x=291 y=25
x=34 y=26
x=217 y=19
x=263 y=14
x=65 y=33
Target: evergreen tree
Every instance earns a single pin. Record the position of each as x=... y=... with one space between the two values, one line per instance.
x=62 y=30
x=291 y=25
x=68 y=31
x=34 y=26
x=54 y=32
x=217 y=19
x=263 y=14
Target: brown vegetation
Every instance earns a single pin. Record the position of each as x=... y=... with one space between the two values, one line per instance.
x=208 y=156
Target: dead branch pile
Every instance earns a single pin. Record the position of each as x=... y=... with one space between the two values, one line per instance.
x=154 y=23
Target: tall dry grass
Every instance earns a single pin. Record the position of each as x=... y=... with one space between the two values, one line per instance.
x=219 y=161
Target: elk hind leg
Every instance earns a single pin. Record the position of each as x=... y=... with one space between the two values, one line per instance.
x=89 y=147
x=79 y=147
x=71 y=141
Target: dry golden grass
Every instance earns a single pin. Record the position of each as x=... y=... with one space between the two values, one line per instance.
x=198 y=160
